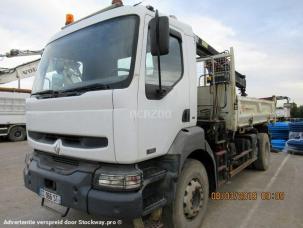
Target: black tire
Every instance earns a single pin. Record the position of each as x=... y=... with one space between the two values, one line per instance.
x=193 y=176
x=17 y=133
x=262 y=163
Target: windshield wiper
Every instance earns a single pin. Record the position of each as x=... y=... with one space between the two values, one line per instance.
x=47 y=92
x=90 y=87
x=71 y=92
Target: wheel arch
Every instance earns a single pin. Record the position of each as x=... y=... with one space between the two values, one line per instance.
x=209 y=165
x=191 y=143
x=10 y=126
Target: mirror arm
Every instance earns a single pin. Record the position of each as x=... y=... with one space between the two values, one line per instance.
x=160 y=91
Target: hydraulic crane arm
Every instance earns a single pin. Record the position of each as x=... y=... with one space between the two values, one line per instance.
x=204 y=50
x=19 y=53
x=22 y=71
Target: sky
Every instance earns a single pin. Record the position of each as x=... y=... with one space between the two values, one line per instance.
x=267 y=36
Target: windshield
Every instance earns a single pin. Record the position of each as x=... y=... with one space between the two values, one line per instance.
x=103 y=53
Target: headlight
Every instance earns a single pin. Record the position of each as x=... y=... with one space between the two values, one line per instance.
x=125 y=180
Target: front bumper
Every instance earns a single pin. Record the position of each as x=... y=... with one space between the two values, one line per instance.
x=73 y=182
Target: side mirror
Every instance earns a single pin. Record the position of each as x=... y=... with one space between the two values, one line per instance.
x=159 y=35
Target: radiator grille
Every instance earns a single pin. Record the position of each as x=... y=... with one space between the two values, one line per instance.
x=83 y=142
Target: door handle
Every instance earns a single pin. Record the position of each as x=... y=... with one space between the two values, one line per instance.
x=186 y=115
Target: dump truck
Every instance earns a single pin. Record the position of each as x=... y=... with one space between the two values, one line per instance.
x=283 y=111
x=12 y=113
x=132 y=114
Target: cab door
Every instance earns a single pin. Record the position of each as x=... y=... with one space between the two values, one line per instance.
x=161 y=116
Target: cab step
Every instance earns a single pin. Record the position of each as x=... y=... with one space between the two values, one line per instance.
x=153 y=203
x=221 y=152
x=220 y=141
x=153 y=174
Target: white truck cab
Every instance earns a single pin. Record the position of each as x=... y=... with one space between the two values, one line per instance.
x=116 y=124
x=124 y=111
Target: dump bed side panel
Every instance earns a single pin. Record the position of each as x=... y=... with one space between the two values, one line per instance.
x=253 y=111
x=12 y=107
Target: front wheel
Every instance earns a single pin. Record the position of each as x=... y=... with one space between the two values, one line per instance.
x=189 y=208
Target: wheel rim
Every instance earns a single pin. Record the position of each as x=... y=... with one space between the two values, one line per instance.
x=193 y=199
x=17 y=134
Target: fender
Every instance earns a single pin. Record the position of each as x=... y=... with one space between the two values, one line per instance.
x=189 y=140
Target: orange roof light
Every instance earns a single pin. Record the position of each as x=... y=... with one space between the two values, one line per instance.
x=117 y=2
x=69 y=18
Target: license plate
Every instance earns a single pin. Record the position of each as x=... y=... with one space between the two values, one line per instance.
x=50 y=196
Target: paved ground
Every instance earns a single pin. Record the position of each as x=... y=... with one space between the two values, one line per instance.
x=285 y=175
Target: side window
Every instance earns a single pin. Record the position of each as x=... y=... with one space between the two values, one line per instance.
x=171 y=68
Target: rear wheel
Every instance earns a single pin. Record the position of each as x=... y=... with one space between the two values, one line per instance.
x=262 y=163
x=189 y=208
x=17 y=133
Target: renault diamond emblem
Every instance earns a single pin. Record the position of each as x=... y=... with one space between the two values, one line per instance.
x=57 y=146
